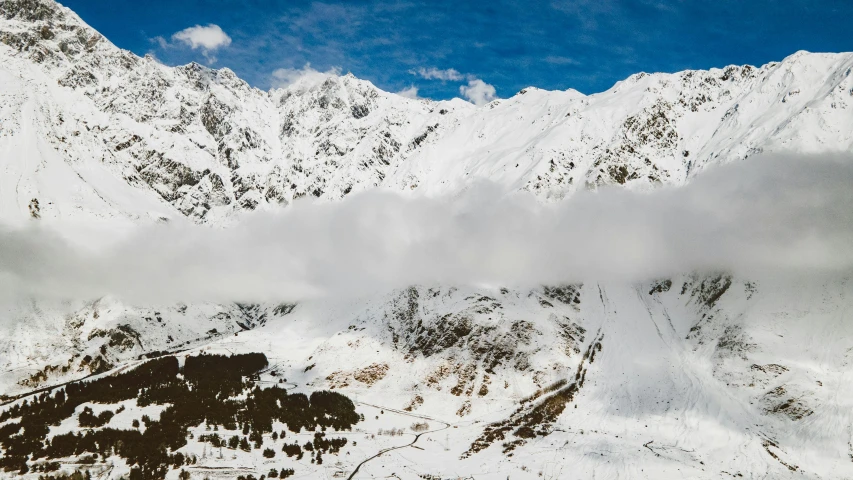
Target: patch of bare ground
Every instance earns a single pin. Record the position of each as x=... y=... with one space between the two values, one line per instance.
x=367 y=375
x=779 y=402
x=416 y=402
x=537 y=413
x=767 y=444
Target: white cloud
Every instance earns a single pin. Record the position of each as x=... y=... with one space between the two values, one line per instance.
x=756 y=218
x=207 y=38
x=478 y=92
x=301 y=78
x=162 y=42
x=436 y=74
x=411 y=92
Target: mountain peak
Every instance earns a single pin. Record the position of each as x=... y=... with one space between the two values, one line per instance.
x=48 y=33
x=32 y=10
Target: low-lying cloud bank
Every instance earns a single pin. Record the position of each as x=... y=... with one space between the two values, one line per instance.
x=774 y=215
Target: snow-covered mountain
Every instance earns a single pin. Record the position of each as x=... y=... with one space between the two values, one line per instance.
x=146 y=140
x=699 y=376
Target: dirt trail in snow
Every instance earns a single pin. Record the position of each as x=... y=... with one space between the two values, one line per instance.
x=14 y=398
x=411 y=444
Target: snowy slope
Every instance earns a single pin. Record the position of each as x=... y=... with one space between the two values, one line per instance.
x=701 y=376
x=706 y=376
x=697 y=377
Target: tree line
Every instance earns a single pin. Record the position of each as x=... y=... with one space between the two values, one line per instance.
x=203 y=393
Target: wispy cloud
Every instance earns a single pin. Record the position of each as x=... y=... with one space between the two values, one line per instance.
x=433 y=73
x=588 y=13
x=476 y=91
x=410 y=92
x=560 y=60
x=305 y=77
x=770 y=216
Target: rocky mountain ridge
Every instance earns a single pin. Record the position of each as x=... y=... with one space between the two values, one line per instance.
x=202 y=143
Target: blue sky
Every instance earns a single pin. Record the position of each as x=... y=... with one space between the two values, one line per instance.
x=582 y=44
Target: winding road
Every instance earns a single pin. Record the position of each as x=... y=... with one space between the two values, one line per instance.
x=411 y=444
